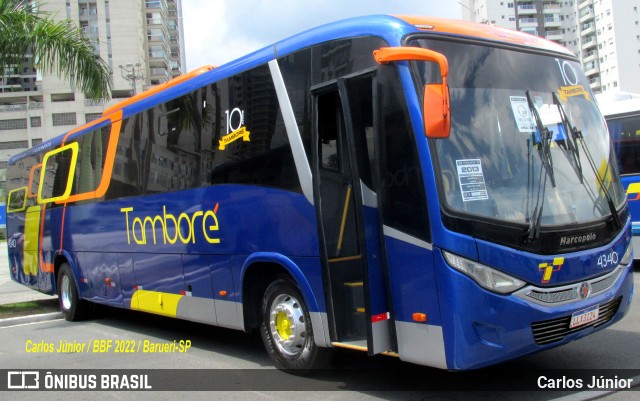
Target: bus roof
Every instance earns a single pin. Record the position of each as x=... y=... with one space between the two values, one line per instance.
x=482 y=31
x=613 y=103
x=390 y=28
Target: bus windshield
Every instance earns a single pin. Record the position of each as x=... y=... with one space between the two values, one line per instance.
x=523 y=128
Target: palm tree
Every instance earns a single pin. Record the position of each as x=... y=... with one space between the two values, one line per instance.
x=58 y=47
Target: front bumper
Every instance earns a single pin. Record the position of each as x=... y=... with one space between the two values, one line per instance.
x=481 y=328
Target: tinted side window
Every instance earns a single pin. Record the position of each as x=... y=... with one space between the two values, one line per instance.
x=22 y=174
x=296 y=72
x=404 y=201
x=91 y=157
x=625 y=134
x=17 y=200
x=361 y=105
x=229 y=132
x=57 y=183
x=125 y=177
x=251 y=145
x=338 y=58
x=330 y=124
x=175 y=158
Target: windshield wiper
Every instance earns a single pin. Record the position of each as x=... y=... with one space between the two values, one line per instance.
x=545 y=141
x=536 y=216
x=535 y=220
x=572 y=134
x=576 y=135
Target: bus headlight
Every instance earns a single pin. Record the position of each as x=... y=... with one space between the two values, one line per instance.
x=485 y=276
x=626 y=259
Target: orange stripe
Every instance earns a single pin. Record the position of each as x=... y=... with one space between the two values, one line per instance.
x=83 y=127
x=64 y=213
x=31 y=177
x=109 y=161
x=474 y=29
x=45 y=267
x=158 y=88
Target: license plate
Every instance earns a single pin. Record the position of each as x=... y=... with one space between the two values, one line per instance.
x=585 y=316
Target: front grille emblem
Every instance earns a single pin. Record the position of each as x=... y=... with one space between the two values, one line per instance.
x=585 y=290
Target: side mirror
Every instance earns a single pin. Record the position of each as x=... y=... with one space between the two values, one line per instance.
x=437 y=111
x=436 y=107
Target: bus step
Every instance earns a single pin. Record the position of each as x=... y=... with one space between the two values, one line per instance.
x=352 y=309
x=355 y=295
x=358 y=345
x=357 y=329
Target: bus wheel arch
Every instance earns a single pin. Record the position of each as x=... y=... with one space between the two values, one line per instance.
x=276 y=302
x=258 y=272
x=256 y=278
x=72 y=306
x=287 y=331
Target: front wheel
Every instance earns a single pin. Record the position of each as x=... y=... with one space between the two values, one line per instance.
x=286 y=330
x=73 y=308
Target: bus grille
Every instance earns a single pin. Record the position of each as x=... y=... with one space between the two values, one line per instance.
x=604 y=284
x=570 y=293
x=555 y=296
x=549 y=331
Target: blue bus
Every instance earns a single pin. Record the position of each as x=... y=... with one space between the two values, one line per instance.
x=622 y=113
x=435 y=190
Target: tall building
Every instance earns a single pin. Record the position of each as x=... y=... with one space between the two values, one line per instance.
x=603 y=33
x=609 y=43
x=142 y=42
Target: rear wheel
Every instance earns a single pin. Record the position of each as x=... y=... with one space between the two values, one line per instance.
x=73 y=308
x=286 y=330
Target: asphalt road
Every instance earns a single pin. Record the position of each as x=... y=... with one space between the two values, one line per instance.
x=238 y=357
x=237 y=360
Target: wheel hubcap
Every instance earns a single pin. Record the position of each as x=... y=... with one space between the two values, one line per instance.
x=287 y=324
x=65 y=292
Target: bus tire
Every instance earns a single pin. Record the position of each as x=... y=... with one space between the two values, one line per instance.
x=286 y=330
x=72 y=307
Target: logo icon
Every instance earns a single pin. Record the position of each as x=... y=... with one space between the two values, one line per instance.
x=235 y=129
x=633 y=191
x=548 y=269
x=23 y=379
x=585 y=290
x=578 y=239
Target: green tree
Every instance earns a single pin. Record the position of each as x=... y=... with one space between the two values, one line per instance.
x=59 y=48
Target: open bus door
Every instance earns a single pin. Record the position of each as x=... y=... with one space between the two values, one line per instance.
x=349 y=223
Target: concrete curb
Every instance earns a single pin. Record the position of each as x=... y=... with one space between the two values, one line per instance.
x=14 y=321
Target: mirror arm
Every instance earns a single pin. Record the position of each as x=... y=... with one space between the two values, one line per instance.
x=390 y=54
x=436 y=107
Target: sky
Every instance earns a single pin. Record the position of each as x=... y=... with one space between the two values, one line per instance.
x=218 y=31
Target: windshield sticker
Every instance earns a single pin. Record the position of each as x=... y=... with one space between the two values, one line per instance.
x=549 y=114
x=471 y=180
x=568 y=73
x=565 y=92
x=522 y=113
x=551 y=119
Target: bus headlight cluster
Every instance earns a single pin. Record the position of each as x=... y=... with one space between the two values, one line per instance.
x=485 y=276
x=626 y=258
